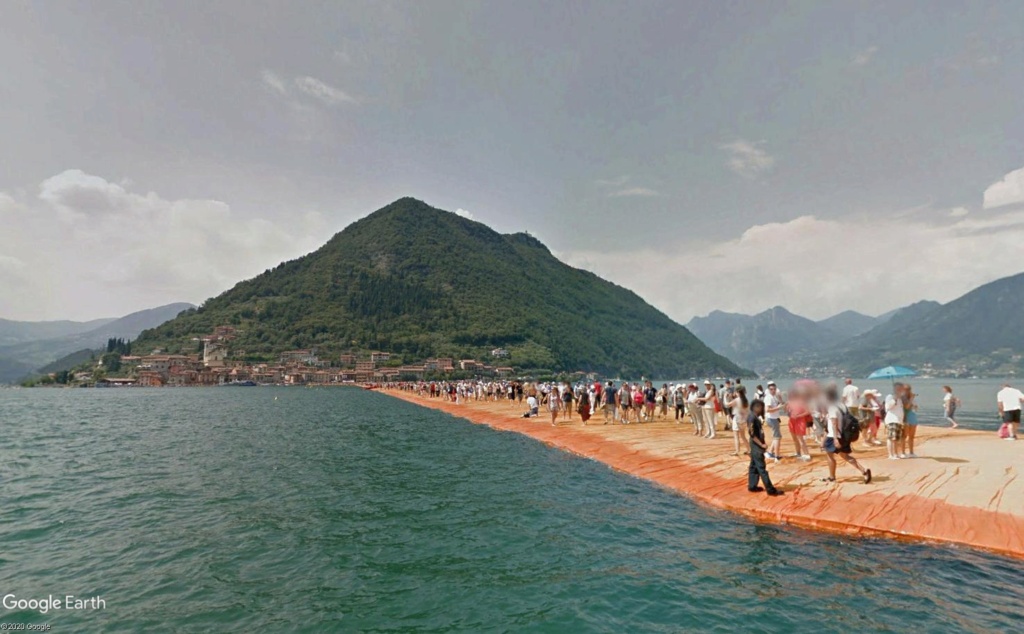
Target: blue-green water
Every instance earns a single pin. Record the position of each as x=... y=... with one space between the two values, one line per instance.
x=319 y=510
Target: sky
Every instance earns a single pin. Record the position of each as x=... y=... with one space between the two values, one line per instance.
x=821 y=156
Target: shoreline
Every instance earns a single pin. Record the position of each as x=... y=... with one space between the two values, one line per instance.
x=963 y=490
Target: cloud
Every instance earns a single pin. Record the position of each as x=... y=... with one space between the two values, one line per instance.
x=273 y=82
x=85 y=237
x=748 y=159
x=958 y=212
x=1008 y=191
x=612 y=182
x=865 y=56
x=465 y=214
x=326 y=93
x=616 y=188
x=633 y=191
x=817 y=267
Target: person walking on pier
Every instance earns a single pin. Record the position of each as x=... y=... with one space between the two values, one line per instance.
x=583 y=406
x=1009 y=400
x=758 y=471
x=841 y=429
x=611 y=403
x=554 y=404
x=708 y=404
x=773 y=414
x=950 y=404
x=739 y=410
x=679 y=402
x=696 y=411
x=894 y=421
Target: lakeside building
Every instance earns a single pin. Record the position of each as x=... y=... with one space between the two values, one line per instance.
x=215 y=365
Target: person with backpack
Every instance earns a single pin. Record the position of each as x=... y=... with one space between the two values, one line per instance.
x=842 y=429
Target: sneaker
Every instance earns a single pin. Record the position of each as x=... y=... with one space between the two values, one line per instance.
x=805 y=458
x=1010 y=438
x=867 y=476
x=911 y=455
x=755 y=490
x=769 y=455
x=776 y=492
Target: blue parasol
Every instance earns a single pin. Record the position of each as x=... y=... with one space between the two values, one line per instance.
x=891 y=372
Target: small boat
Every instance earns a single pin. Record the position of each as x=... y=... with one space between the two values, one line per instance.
x=240 y=384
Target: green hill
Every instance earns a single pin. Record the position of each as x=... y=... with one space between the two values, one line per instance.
x=420 y=282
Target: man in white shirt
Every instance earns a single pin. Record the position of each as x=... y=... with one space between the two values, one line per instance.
x=1009 y=400
x=531 y=402
x=835 y=442
x=851 y=398
x=894 y=420
x=773 y=416
x=708 y=404
x=696 y=411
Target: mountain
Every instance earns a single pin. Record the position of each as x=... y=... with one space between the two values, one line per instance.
x=21 y=358
x=14 y=332
x=420 y=282
x=896 y=320
x=978 y=333
x=11 y=370
x=751 y=339
x=849 y=323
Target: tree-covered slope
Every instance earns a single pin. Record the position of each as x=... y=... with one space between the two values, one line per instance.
x=419 y=282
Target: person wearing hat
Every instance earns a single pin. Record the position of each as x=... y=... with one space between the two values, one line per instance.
x=773 y=416
x=707 y=403
x=693 y=405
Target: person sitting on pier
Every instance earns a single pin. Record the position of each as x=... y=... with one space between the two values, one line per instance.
x=531 y=403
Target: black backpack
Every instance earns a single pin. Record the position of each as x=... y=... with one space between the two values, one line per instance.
x=849 y=426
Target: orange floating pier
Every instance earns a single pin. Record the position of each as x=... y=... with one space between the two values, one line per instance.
x=963 y=489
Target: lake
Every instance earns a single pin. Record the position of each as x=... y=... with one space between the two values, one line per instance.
x=335 y=509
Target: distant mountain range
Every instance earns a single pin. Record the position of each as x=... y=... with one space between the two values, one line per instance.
x=980 y=333
x=14 y=332
x=31 y=345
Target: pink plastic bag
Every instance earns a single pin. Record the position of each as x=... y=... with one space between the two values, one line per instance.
x=1004 y=431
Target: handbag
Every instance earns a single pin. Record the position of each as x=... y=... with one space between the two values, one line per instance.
x=1004 y=431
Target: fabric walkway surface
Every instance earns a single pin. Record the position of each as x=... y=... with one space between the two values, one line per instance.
x=963 y=489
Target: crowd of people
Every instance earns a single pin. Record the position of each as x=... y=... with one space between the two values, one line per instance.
x=828 y=417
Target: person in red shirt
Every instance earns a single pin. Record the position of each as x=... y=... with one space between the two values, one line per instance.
x=799 y=418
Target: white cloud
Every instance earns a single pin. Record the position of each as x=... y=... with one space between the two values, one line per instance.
x=85 y=237
x=865 y=56
x=818 y=267
x=959 y=212
x=633 y=191
x=465 y=214
x=324 y=92
x=1008 y=191
x=273 y=82
x=612 y=182
x=748 y=159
